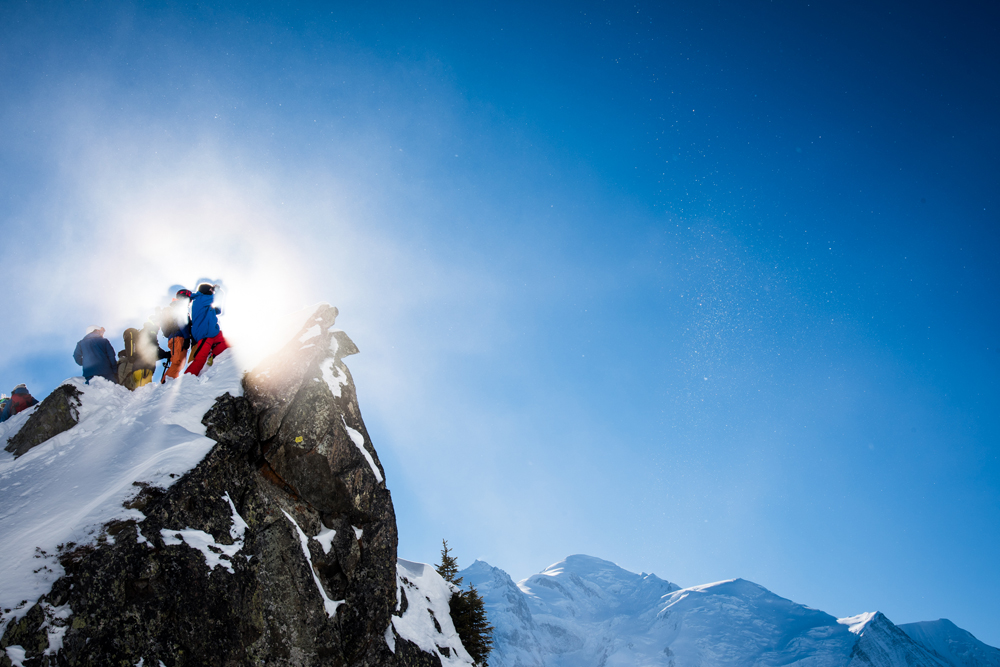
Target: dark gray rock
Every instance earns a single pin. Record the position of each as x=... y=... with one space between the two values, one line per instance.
x=314 y=441
x=57 y=413
x=287 y=461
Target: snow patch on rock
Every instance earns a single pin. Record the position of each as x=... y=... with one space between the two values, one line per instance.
x=332 y=375
x=215 y=553
x=16 y=655
x=359 y=442
x=328 y=604
x=325 y=538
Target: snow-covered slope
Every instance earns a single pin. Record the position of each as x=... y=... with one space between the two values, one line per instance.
x=64 y=490
x=737 y=622
x=955 y=645
x=586 y=612
x=422 y=614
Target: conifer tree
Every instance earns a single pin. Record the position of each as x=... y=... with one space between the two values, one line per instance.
x=449 y=565
x=468 y=612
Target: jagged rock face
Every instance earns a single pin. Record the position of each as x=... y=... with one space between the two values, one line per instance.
x=314 y=442
x=57 y=413
x=279 y=548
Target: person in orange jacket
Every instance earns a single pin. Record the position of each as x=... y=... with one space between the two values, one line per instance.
x=175 y=323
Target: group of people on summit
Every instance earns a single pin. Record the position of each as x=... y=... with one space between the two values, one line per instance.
x=189 y=323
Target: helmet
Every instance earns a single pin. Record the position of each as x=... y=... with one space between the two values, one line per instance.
x=206 y=288
x=186 y=293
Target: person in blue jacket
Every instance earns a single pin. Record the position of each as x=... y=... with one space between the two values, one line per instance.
x=96 y=355
x=205 y=331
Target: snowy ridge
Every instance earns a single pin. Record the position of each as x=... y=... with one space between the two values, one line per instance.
x=65 y=489
x=586 y=612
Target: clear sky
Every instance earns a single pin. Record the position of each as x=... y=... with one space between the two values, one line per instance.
x=707 y=289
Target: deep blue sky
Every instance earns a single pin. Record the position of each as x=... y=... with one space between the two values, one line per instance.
x=706 y=289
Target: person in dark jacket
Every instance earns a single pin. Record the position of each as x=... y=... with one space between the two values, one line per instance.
x=96 y=355
x=205 y=329
x=175 y=323
x=20 y=399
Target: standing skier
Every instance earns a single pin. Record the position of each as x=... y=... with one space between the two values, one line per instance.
x=175 y=323
x=205 y=329
x=96 y=355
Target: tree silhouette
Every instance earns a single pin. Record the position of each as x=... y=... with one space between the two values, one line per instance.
x=468 y=612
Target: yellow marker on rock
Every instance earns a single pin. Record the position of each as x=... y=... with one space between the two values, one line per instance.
x=298 y=439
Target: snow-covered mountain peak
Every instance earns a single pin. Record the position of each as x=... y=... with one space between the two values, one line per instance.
x=593 y=586
x=480 y=568
x=732 y=587
x=588 y=612
x=592 y=569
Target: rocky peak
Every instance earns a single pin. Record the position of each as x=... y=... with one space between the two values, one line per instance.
x=277 y=548
x=313 y=447
x=59 y=412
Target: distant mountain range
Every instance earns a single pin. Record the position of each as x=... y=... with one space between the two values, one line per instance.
x=588 y=612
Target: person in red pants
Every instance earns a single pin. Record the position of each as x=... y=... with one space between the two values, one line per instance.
x=205 y=331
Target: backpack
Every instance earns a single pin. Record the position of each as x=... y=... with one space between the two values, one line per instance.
x=21 y=402
x=131 y=338
x=125 y=376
